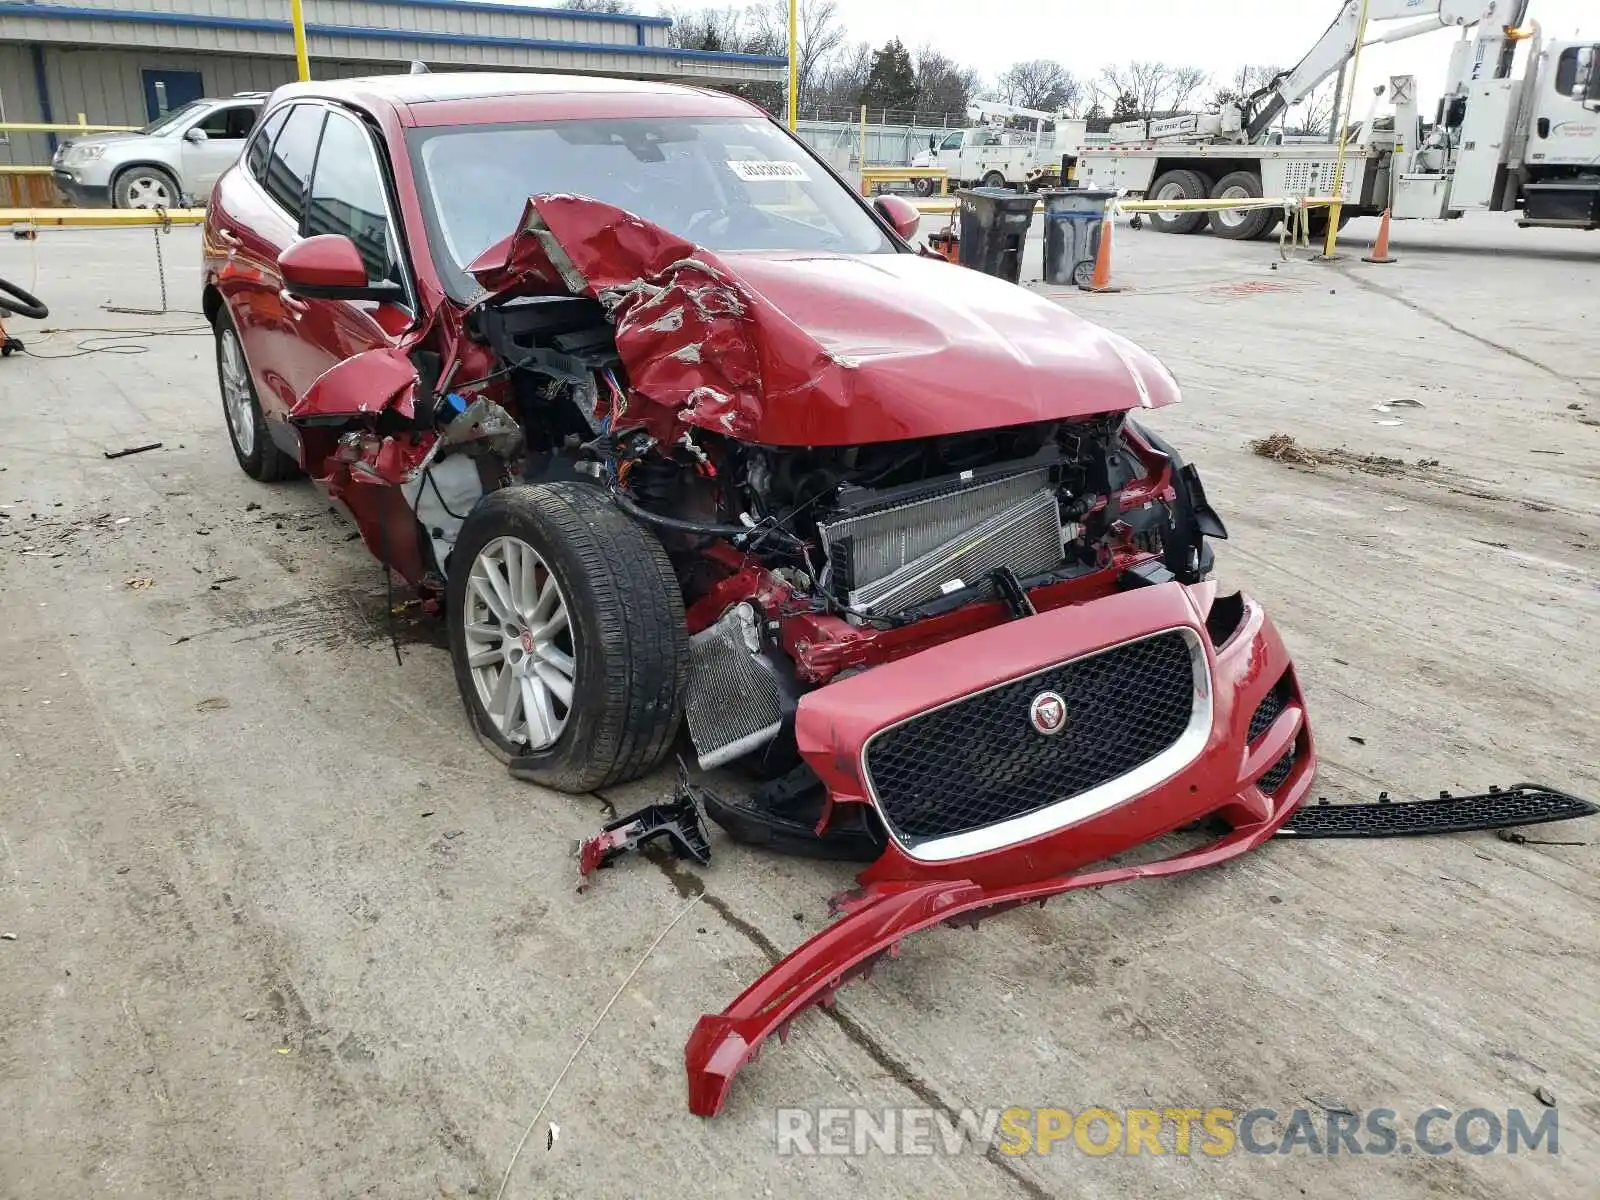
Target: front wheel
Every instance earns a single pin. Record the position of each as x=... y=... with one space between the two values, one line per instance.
x=923 y=187
x=568 y=637
x=145 y=187
x=258 y=455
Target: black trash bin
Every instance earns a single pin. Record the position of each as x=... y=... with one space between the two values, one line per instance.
x=1072 y=220
x=994 y=228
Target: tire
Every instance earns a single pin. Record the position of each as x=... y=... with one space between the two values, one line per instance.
x=258 y=455
x=145 y=187
x=1235 y=225
x=994 y=179
x=923 y=187
x=624 y=639
x=1274 y=219
x=24 y=304
x=1178 y=185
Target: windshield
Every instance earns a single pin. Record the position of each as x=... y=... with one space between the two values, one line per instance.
x=178 y=115
x=732 y=183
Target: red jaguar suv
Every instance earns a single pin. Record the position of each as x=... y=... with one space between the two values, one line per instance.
x=691 y=443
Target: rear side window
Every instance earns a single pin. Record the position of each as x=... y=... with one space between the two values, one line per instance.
x=347 y=196
x=293 y=152
x=255 y=155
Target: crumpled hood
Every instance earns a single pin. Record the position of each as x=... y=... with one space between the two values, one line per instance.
x=819 y=349
x=927 y=348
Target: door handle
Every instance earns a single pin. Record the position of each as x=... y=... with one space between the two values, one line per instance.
x=291 y=303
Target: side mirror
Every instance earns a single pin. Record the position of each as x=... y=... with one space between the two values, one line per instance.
x=933 y=142
x=196 y=135
x=903 y=216
x=329 y=267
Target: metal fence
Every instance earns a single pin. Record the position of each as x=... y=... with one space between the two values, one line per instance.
x=887 y=145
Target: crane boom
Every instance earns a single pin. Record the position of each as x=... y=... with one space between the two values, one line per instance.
x=1338 y=44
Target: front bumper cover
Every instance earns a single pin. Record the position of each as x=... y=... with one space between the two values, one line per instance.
x=902 y=894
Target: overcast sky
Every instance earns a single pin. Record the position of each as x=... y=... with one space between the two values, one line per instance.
x=1215 y=34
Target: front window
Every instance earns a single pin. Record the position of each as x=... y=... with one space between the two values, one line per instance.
x=169 y=121
x=728 y=184
x=953 y=142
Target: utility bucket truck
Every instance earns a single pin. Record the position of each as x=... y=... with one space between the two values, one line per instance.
x=989 y=154
x=1498 y=141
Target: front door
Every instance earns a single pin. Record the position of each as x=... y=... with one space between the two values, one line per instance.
x=167 y=90
x=204 y=159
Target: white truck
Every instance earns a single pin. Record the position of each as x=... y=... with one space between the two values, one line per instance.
x=1498 y=142
x=989 y=154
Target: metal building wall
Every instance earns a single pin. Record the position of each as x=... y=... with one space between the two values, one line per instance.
x=21 y=101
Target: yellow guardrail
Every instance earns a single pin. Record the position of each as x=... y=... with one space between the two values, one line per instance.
x=942 y=205
x=101 y=218
x=82 y=126
x=870 y=176
x=8 y=169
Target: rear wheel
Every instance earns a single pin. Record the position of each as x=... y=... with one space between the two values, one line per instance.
x=567 y=632
x=1178 y=185
x=1239 y=224
x=994 y=179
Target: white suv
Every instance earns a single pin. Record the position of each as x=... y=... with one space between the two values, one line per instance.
x=172 y=161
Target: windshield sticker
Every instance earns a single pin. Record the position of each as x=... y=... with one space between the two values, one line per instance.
x=761 y=171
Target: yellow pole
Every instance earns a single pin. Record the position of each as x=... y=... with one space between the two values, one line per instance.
x=1337 y=207
x=861 y=154
x=302 y=60
x=794 y=63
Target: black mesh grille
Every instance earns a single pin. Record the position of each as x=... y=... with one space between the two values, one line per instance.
x=980 y=760
x=1269 y=710
x=1273 y=779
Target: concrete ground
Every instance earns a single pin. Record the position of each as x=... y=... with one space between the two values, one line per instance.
x=281 y=928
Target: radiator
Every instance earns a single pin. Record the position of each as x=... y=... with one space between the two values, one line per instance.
x=885 y=561
x=733 y=704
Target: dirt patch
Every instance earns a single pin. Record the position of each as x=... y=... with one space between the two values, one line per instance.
x=1282 y=447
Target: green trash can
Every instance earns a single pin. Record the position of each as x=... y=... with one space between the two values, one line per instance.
x=1072 y=219
x=994 y=229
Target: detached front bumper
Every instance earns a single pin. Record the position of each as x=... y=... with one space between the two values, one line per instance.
x=1244 y=755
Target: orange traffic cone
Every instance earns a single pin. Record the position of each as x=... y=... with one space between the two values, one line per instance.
x=1380 y=252
x=1101 y=280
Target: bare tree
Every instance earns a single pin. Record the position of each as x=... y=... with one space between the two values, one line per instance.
x=1243 y=82
x=720 y=29
x=1144 y=88
x=820 y=32
x=1315 y=115
x=1040 y=83
x=943 y=87
x=600 y=6
x=842 y=80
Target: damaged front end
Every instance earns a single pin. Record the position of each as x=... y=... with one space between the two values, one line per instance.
x=945 y=599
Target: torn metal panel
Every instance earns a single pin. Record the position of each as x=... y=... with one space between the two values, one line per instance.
x=369 y=383
x=818 y=349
